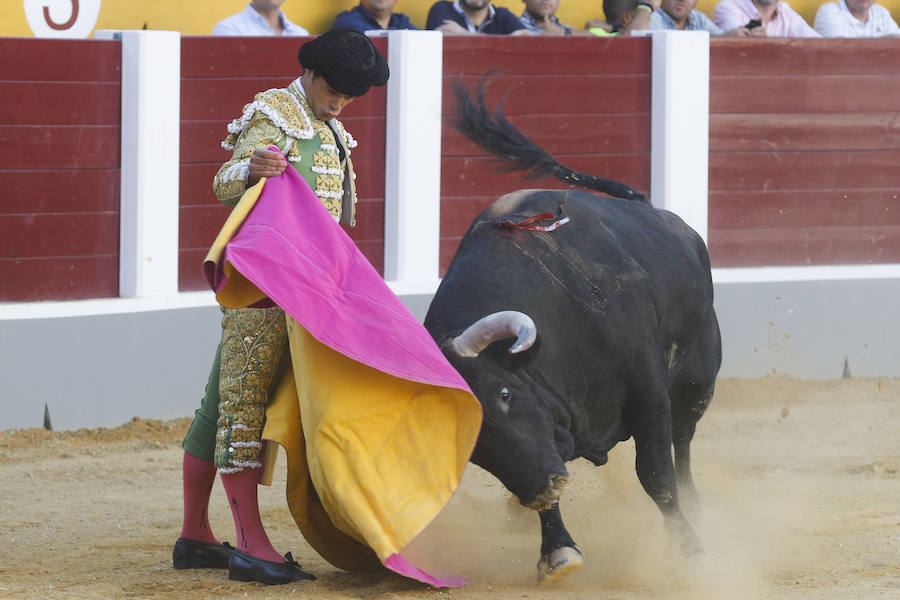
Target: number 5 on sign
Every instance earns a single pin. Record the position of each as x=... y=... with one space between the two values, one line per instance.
x=62 y=18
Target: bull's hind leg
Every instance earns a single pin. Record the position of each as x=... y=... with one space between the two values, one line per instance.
x=684 y=424
x=657 y=475
x=559 y=554
x=690 y=397
x=651 y=418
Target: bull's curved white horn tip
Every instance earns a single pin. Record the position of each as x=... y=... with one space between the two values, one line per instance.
x=522 y=345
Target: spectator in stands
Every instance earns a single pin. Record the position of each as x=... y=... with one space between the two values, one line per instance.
x=623 y=17
x=540 y=18
x=474 y=16
x=855 y=19
x=777 y=18
x=681 y=15
x=371 y=15
x=260 y=17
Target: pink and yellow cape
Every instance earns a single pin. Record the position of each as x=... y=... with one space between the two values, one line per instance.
x=376 y=424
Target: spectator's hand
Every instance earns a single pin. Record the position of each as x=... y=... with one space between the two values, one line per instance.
x=523 y=32
x=759 y=31
x=265 y=163
x=598 y=23
x=452 y=28
x=738 y=32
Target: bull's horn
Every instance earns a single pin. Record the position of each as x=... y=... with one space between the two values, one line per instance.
x=493 y=327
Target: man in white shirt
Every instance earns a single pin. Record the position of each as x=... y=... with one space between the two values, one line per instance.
x=855 y=19
x=772 y=18
x=260 y=17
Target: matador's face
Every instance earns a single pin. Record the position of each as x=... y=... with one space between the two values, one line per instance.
x=326 y=102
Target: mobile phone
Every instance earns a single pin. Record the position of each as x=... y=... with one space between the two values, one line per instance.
x=753 y=23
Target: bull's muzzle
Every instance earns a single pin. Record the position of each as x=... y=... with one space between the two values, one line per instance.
x=550 y=494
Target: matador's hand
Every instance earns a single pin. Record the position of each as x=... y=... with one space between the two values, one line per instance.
x=265 y=163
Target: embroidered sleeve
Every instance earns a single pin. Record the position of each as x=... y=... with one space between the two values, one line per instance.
x=231 y=180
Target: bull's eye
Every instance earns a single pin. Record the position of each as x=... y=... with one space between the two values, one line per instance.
x=504 y=396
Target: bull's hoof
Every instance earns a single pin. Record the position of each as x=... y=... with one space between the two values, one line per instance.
x=556 y=565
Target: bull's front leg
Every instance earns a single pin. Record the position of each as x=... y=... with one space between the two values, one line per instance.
x=559 y=554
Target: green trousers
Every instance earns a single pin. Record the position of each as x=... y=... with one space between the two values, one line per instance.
x=200 y=440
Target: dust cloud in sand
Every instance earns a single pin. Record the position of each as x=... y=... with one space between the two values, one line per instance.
x=799 y=499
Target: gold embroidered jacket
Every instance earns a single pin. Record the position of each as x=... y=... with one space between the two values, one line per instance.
x=283 y=118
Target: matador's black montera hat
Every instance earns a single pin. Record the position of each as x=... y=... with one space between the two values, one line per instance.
x=347 y=59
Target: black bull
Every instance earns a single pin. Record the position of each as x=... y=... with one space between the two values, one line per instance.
x=616 y=337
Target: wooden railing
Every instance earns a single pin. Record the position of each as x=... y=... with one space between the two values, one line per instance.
x=804 y=148
x=59 y=169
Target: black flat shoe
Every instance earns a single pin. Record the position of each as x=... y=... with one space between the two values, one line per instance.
x=244 y=567
x=190 y=554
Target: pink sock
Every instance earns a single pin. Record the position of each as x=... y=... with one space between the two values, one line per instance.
x=240 y=489
x=197 y=478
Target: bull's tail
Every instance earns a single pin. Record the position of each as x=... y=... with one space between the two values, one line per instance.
x=499 y=137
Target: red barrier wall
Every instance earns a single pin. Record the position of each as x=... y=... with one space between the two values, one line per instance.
x=804 y=143
x=60 y=113
x=804 y=148
x=219 y=76
x=584 y=100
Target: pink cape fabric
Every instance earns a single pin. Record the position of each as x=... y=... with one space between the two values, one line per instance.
x=336 y=295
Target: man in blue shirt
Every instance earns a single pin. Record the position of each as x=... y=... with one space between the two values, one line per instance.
x=681 y=15
x=373 y=14
x=474 y=16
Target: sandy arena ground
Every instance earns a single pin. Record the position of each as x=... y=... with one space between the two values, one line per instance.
x=798 y=481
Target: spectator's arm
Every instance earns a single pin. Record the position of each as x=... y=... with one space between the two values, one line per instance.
x=510 y=23
x=893 y=30
x=656 y=21
x=438 y=15
x=799 y=27
x=744 y=32
x=640 y=20
x=598 y=23
x=451 y=28
x=728 y=16
x=711 y=27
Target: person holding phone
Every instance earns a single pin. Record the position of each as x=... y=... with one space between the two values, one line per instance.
x=776 y=18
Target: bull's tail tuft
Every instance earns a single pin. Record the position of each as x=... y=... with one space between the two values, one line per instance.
x=498 y=136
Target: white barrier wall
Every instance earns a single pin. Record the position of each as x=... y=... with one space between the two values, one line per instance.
x=679 y=125
x=151 y=108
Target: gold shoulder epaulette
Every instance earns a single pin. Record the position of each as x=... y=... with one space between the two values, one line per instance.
x=282 y=108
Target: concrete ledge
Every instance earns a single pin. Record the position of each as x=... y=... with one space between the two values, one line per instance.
x=150 y=357
x=806 y=329
x=102 y=370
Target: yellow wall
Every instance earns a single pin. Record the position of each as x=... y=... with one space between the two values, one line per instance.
x=197 y=17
